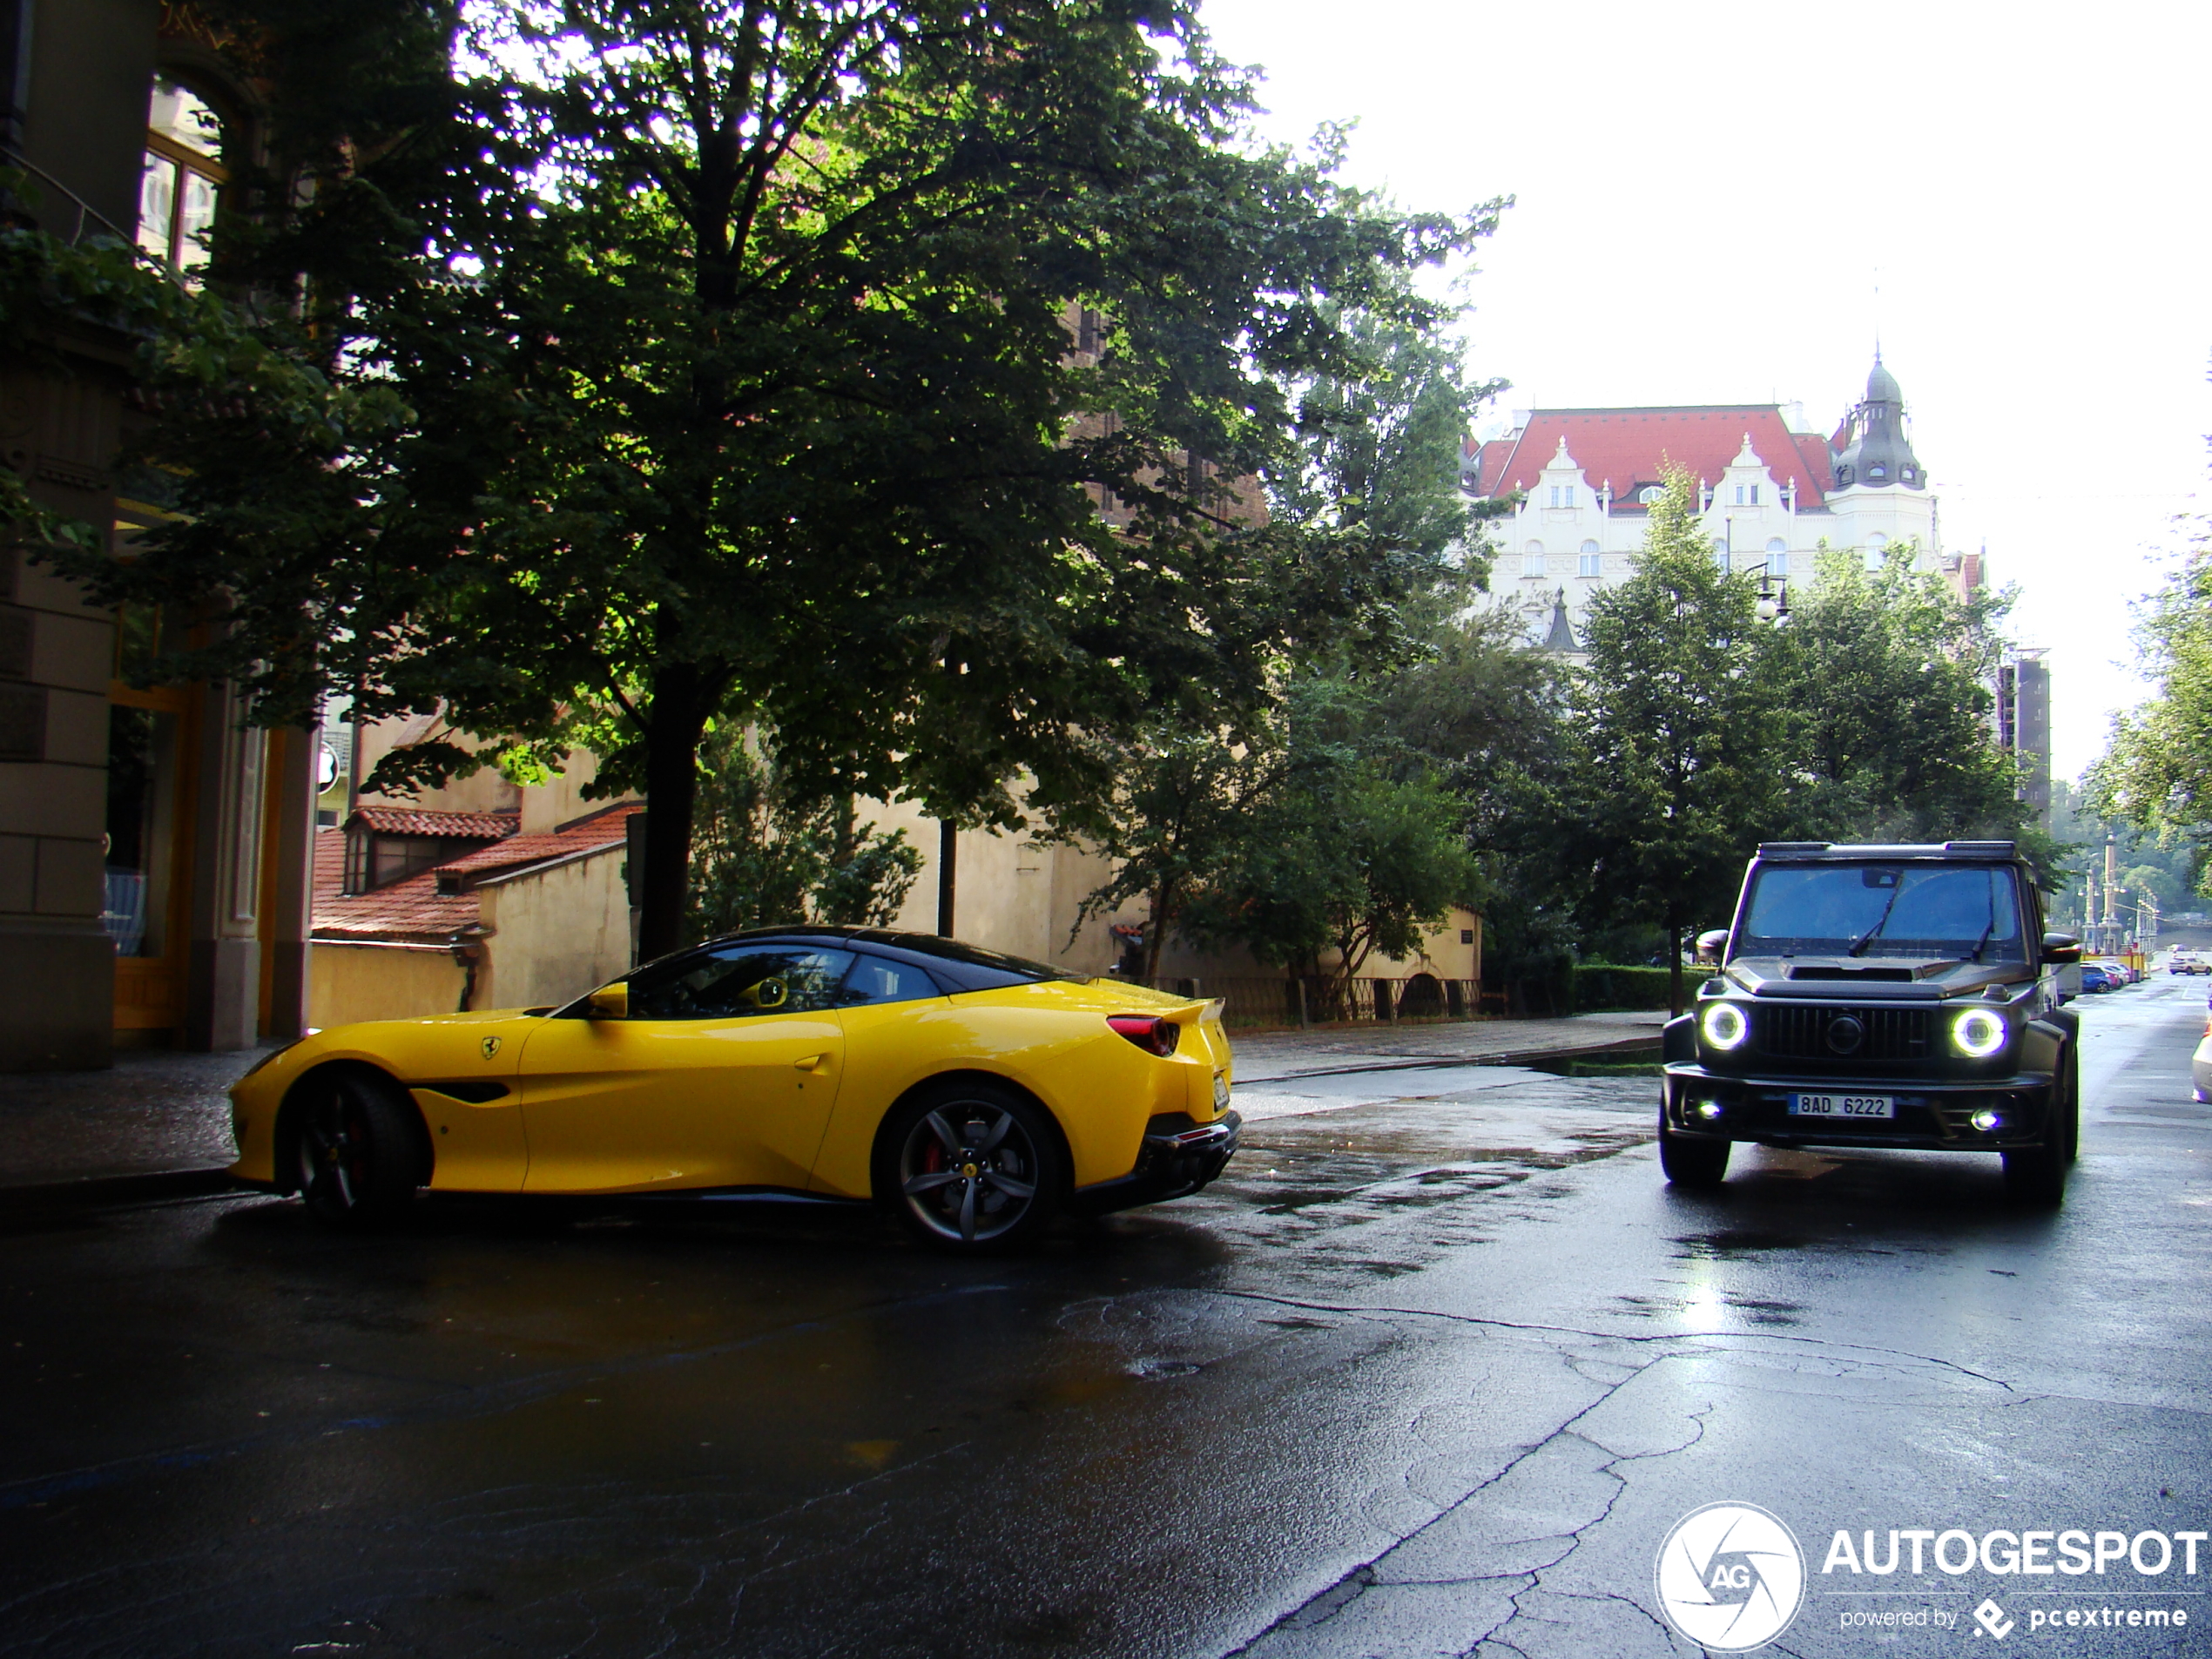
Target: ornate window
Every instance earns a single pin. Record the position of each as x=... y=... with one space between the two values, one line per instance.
x=1532 y=559
x=1650 y=493
x=184 y=175
x=1777 y=557
x=1590 y=563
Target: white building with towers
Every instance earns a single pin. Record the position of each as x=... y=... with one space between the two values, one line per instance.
x=1772 y=490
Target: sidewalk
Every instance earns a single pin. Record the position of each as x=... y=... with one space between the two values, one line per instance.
x=1277 y=1056
x=159 y=1123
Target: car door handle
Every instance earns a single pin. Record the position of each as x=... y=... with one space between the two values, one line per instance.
x=813 y=1062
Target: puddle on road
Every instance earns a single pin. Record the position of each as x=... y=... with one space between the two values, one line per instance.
x=1730 y=1244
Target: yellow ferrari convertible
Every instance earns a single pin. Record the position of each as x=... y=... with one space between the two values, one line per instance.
x=974 y=1094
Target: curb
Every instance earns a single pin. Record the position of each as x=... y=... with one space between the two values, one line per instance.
x=94 y=1192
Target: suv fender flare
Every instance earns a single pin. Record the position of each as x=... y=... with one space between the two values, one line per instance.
x=1679 y=1039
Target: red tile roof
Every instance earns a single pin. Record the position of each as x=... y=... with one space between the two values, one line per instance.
x=600 y=829
x=410 y=912
x=413 y=911
x=409 y=820
x=1627 y=447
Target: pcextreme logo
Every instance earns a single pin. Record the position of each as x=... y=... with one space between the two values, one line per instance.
x=1730 y=1577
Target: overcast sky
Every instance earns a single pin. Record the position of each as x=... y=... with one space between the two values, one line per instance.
x=1706 y=195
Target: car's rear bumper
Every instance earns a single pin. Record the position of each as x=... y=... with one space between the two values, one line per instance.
x=1175 y=1159
x=1931 y=1115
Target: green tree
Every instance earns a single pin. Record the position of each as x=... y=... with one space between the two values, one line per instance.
x=1886 y=675
x=1176 y=824
x=762 y=856
x=724 y=374
x=1679 y=748
x=2157 y=770
x=1348 y=854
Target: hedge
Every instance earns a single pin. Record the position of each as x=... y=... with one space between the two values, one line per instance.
x=1600 y=985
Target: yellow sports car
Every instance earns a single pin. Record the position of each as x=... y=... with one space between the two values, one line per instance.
x=975 y=1094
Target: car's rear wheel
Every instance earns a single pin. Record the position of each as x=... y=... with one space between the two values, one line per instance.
x=357 y=1157
x=1687 y=1163
x=971 y=1166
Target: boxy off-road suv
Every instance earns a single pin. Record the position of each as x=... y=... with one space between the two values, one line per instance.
x=1879 y=996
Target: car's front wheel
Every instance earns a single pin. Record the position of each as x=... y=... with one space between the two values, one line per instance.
x=2036 y=1174
x=971 y=1166
x=357 y=1157
x=1687 y=1163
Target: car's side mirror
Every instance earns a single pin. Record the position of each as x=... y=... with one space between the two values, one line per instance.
x=2061 y=948
x=608 y=1002
x=1710 y=945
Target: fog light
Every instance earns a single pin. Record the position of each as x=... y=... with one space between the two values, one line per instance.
x=1707 y=1109
x=1985 y=1120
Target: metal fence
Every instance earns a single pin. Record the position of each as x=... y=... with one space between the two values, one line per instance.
x=1319 y=1001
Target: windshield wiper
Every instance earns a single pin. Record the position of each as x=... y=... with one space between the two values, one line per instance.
x=1975 y=955
x=1880 y=923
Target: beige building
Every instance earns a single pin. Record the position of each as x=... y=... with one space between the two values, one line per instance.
x=154 y=849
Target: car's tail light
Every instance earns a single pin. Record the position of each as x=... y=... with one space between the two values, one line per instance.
x=1147 y=1031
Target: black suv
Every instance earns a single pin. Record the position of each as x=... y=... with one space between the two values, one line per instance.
x=1897 y=996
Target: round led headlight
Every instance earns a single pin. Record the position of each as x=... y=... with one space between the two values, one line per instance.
x=1977 y=1032
x=1725 y=1026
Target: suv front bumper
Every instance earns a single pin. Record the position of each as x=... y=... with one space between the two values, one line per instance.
x=1931 y=1115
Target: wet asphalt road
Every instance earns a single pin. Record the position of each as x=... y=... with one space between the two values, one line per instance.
x=1432 y=1370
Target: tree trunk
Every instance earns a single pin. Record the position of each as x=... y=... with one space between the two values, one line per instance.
x=1674 y=968
x=678 y=719
x=1156 y=929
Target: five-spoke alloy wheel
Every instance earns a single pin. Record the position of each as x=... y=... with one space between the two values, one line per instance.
x=356 y=1158
x=971 y=1166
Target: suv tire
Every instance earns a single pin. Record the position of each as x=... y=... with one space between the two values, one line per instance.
x=1696 y=1164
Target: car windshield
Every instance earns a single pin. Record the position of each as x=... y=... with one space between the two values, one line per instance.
x=1875 y=909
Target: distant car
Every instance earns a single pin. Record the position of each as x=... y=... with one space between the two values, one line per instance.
x=2094 y=978
x=2117 y=971
x=2182 y=961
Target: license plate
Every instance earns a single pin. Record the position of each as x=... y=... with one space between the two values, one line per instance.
x=1842 y=1106
x=1220 y=1093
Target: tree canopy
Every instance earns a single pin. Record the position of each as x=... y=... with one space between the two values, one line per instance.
x=666 y=362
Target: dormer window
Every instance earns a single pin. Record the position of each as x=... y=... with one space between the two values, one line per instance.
x=1562 y=494
x=1650 y=493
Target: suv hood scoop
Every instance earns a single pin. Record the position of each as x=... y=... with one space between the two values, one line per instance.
x=1900 y=981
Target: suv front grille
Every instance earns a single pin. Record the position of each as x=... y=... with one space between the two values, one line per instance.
x=1797 y=1031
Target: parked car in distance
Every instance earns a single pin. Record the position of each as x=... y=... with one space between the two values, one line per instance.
x=2117 y=971
x=2184 y=961
x=2094 y=978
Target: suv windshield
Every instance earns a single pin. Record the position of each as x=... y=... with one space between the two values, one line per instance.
x=1874 y=909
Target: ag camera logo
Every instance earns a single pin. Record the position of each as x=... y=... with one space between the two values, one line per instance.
x=1730 y=1577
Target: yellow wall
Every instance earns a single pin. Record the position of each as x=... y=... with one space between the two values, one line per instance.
x=557 y=931
x=349 y=982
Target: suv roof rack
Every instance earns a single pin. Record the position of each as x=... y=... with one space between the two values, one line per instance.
x=1889 y=850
